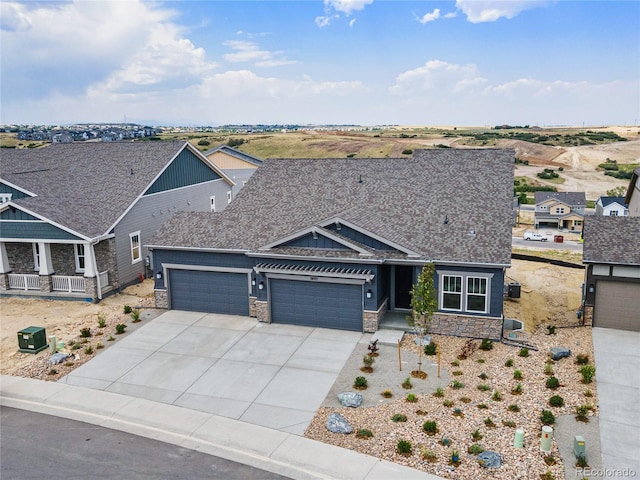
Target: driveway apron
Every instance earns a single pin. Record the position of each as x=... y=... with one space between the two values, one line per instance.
x=272 y=375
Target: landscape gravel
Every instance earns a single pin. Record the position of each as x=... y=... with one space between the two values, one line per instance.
x=376 y=412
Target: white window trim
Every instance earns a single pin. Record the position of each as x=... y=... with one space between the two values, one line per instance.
x=464 y=294
x=77 y=256
x=212 y=203
x=229 y=197
x=485 y=295
x=5 y=197
x=461 y=293
x=36 y=257
x=132 y=248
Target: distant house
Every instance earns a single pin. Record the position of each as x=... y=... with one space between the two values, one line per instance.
x=562 y=210
x=338 y=243
x=612 y=278
x=75 y=218
x=62 y=137
x=239 y=166
x=632 y=199
x=611 y=207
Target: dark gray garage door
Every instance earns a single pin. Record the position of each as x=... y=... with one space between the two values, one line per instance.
x=214 y=292
x=617 y=305
x=316 y=304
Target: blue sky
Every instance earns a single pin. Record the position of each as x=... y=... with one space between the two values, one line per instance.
x=464 y=62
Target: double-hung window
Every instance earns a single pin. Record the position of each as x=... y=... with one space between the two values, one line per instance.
x=476 y=294
x=464 y=292
x=451 y=292
x=136 y=249
x=80 y=258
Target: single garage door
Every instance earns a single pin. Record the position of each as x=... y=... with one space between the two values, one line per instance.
x=316 y=304
x=617 y=305
x=213 y=292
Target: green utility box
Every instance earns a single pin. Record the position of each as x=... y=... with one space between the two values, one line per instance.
x=32 y=340
x=579 y=449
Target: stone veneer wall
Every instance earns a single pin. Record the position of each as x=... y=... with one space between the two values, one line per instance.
x=262 y=311
x=4 y=281
x=252 y=306
x=463 y=326
x=587 y=315
x=46 y=283
x=91 y=287
x=20 y=256
x=106 y=260
x=162 y=298
x=371 y=319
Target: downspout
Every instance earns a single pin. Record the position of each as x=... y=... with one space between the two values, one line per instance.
x=95 y=267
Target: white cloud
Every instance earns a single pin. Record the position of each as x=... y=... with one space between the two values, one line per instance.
x=353 y=20
x=437 y=75
x=479 y=11
x=13 y=17
x=347 y=6
x=430 y=17
x=323 y=21
x=250 y=52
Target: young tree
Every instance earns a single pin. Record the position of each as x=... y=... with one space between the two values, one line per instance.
x=424 y=303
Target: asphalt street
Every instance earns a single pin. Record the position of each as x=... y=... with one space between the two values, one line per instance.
x=36 y=446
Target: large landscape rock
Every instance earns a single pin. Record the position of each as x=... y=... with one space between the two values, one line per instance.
x=490 y=459
x=336 y=423
x=350 y=399
x=559 y=352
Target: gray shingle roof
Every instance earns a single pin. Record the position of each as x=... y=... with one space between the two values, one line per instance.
x=606 y=201
x=85 y=186
x=612 y=240
x=403 y=200
x=570 y=198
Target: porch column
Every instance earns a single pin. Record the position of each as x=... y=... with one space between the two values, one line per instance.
x=89 y=261
x=4 y=259
x=46 y=266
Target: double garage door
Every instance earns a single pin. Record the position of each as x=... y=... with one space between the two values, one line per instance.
x=617 y=305
x=316 y=304
x=212 y=292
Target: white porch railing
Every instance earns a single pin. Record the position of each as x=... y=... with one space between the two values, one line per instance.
x=103 y=277
x=60 y=283
x=21 y=281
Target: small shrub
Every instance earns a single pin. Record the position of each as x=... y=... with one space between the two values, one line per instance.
x=407 y=383
x=517 y=390
x=53 y=371
x=88 y=350
x=127 y=309
x=404 y=447
x=368 y=360
x=204 y=143
x=68 y=364
x=439 y=393
x=556 y=401
x=517 y=374
x=430 y=427
x=587 y=372
x=457 y=385
x=581 y=462
x=475 y=449
x=508 y=423
x=399 y=417
x=488 y=422
x=99 y=345
x=513 y=407
x=76 y=346
x=497 y=396
x=457 y=373
x=588 y=393
x=102 y=322
x=547 y=475
x=421 y=412
x=457 y=412
x=360 y=383
x=483 y=376
x=448 y=403
x=455 y=363
x=412 y=398
x=135 y=316
x=486 y=344
x=481 y=360
x=428 y=455
x=552 y=383
x=582 y=359
x=582 y=413
x=430 y=349
x=476 y=435
x=550 y=460
x=85 y=332
x=467 y=349
x=465 y=399
x=547 y=417
x=407 y=151
x=120 y=328
x=110 y=339
x=509 y=362
x=482 y=406
x=524 y=352
x=387 y=394
x=548 y=369
x=551 y=330
x=455 y=457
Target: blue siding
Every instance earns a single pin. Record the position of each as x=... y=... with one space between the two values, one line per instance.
x=359 y=237
x=496 y=286
x=33 y=230
x=15 y=214
x=186 y=169
x=307 y=241
x=4 y=188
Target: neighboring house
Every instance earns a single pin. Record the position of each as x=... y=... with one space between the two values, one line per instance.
x=612 y=277
x=338 y=243
x=63 y=137
x=75 y=217
x=632 y=199
x=611 y=207
x=563 y=210
x=238 y=166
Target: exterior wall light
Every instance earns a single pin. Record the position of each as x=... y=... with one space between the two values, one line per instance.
x=261 y=285
x=253 y=282
x=369 y=293
x=592 y=288
x=159 y=275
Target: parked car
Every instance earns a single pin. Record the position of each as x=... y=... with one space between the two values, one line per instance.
x=529 y=235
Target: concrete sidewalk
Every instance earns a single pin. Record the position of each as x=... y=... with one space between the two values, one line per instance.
x=617 y=359
x=272 y=450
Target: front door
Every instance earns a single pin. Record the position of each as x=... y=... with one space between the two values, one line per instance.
x=403 y=279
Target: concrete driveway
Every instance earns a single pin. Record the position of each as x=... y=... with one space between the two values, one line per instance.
x=617 y=358
x=273 y=375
